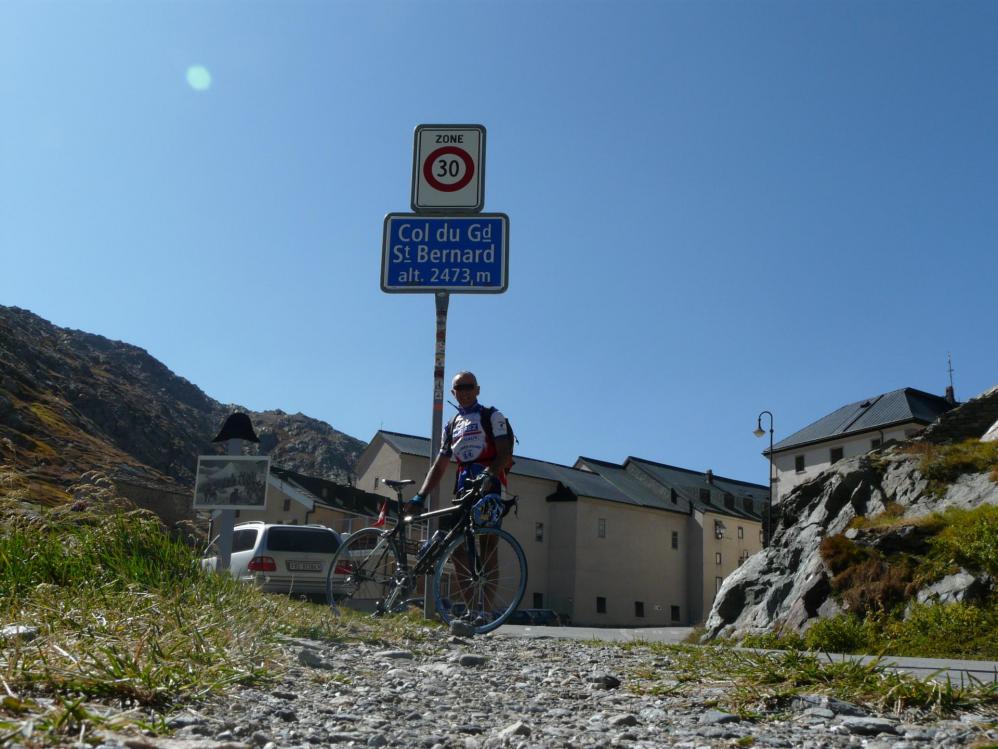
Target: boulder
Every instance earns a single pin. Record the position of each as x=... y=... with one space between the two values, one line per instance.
x=959 y=587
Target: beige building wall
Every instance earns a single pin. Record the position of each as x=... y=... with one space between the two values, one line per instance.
x=560 y=535
x=631 y=567
x=532 y=526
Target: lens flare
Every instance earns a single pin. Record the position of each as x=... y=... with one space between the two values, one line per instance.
x=198 y=78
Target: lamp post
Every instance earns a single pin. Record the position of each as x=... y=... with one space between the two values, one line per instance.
x=767 y=528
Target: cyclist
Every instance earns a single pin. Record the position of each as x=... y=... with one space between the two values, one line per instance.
x=477 y=448
x=467 y=441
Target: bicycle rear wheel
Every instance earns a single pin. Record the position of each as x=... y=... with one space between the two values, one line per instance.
x=487 y=592
x=362 y=573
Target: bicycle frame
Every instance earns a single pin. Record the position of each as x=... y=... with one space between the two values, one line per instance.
x=428 y=558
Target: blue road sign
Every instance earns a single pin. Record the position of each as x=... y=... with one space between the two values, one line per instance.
x=460 y=254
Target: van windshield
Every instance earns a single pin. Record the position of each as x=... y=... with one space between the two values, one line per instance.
x=300 y=539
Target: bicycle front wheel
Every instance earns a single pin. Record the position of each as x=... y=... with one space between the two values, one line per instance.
x=482 y=586
x=362 y=572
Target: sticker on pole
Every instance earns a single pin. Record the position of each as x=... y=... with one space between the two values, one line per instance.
x=448 y=169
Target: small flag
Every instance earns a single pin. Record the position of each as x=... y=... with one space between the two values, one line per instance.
x=381 y=515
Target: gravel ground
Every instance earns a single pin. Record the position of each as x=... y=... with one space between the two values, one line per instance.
x=501 y=691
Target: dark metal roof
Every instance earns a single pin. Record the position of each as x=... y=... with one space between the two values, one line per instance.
x=337 y=496
x=643 y=493
x=895 y=407
x=688 y=484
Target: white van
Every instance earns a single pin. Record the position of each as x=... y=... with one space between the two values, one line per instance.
x=282 y=558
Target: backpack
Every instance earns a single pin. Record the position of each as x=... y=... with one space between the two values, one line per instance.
x=490 y=439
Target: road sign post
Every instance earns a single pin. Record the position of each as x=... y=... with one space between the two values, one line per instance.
x=447 y=245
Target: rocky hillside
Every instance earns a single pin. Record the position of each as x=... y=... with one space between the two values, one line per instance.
x=71 y=402
x=790 y=585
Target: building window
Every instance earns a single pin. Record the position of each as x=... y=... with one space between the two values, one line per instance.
x=835 y=454
x=674 y=496
x=287 y=505
x=600 y=605
x=601 y=528
x=675 y=539
x=762 y=538
x=741 y=532
x=717 y=557
x=718 y=529
x=799 y=463
x=674 y=611
x=639 y=608
x=729 y=500
x=875 y=443
x=538 y=600
x=743 y=557
x=705 y=495
x=325 y=493
x=717 y=583
x=538 y=534
x=237 y=512
x=747 y=504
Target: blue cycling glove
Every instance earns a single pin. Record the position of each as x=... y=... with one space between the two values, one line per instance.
x=418 y=500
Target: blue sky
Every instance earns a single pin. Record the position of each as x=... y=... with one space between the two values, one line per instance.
x=715 y=207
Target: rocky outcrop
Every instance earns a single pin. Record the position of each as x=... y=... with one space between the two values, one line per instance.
x=72 y=402
x=971 y=419
x=788 y=584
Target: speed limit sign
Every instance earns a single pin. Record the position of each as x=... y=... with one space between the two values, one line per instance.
x=448 y=166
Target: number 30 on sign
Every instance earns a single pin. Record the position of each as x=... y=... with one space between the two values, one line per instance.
x=448 y=168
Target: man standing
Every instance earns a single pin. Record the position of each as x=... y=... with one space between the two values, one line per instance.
x=477 y=438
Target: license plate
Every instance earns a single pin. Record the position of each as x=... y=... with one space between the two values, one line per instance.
x=300 y=566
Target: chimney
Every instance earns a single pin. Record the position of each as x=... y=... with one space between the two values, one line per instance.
x=950 y=395
x=710 y=476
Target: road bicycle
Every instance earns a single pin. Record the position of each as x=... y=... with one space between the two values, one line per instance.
x=479 y=573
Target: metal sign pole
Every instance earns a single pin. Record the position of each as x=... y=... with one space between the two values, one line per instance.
x=227 y=520
x=439 y=354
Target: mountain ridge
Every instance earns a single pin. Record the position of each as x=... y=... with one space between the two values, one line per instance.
x=73 y=401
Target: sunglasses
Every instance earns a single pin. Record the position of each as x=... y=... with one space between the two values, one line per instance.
x=466 y=386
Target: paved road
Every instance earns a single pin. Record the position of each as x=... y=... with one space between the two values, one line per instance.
x=959 y=672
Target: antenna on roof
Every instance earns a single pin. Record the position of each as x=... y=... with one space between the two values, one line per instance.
x=950 y=392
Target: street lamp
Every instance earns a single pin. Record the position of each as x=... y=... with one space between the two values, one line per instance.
x=767 y=527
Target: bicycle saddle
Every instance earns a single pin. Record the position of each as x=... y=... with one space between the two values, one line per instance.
x=397 y=484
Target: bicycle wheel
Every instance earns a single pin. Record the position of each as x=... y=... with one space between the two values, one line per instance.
x=486 y=595
x=362 y=573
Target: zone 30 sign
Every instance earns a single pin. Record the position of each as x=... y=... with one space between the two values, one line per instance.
x=448 y=169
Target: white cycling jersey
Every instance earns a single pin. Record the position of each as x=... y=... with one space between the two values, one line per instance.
x=466 y=442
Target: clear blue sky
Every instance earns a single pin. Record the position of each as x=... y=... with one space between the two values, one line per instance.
x=716 y=207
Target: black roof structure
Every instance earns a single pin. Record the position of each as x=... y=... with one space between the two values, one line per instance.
x=878 y=412
x=337 y=496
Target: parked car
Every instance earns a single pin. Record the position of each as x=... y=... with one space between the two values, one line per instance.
x=292 y=559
